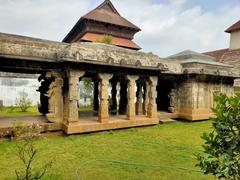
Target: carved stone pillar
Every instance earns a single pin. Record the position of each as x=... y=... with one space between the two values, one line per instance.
x=55 y=95
x=73 y=79
x=152 y=106
x=103 y=115
x=95 y=98
x=139 y=103
x=146 y=98
x=131 y=110
x=114 y=96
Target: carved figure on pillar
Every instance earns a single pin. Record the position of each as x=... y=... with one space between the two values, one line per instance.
x=45 y=83
x=172 y=100
x=55 y=97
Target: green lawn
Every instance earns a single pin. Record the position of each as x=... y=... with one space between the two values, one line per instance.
x=15 y=111
x=156 y=152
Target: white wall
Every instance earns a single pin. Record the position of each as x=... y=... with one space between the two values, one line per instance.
x=235 y=40
x=10 y=88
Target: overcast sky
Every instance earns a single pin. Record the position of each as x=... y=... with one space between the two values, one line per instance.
x=168 y=26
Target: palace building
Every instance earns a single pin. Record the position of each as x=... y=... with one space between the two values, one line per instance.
x=131 y=88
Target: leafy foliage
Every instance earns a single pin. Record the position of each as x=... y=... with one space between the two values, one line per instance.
x=23 y=101
x=107 y=39
x=222 y=146
x=27 y=152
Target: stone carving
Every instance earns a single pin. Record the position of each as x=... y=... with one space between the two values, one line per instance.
x=78 y=56
x=138 y=64
x=131 y=109
x=123 y=62
x=110 y=60
x=162 y=67
x=103 y=114
x=172 y=100
x=73 y=76
x=152 y=106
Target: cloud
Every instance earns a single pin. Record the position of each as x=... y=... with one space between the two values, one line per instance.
x=168 y=26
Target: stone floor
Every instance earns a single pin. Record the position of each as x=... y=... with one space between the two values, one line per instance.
x=88 y=122
x=91 y=124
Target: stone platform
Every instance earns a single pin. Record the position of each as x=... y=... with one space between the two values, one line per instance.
x=91 y=124
x=7 y=123
x=166 y=115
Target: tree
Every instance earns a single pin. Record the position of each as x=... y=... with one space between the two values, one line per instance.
x=87 y=89
x=222 y=146
x=23 y=102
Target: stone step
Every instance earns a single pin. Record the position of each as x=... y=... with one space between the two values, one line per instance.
x=167 y=121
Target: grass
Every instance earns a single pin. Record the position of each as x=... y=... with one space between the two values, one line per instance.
x=16 y=111
x=156 y=152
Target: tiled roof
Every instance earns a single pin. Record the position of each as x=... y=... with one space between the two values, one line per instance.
x=234 y=27
x=228 y=56
x=93 y=37
x=108 y=14
x=218 y=54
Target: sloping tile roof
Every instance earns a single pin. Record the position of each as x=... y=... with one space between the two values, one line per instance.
x=218 y=54
x=108 y=14
x=234 y=27
x=227 y=56
x=93 y=37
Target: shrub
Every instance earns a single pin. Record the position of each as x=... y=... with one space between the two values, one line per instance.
x=23 y=102
x=27 y=152
x=222 y=146
x=107 y=39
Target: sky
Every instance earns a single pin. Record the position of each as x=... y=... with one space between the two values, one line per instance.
x=168 y=26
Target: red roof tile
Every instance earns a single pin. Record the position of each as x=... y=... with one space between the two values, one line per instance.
x=93 y=37
x=234 y=27
x=228 y=56
x=218 y=54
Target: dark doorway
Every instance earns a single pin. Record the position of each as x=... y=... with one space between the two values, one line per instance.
x=163 y=89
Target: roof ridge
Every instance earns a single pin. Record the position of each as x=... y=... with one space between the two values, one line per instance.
x=234 y=27
x=109 y=3
x=216 y=50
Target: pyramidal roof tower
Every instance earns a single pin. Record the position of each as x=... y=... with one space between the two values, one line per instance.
x=104 y=20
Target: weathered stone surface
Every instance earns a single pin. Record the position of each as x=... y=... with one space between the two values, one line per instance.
x=131 y=110
x=152 y=106
x=73 y=78
x=103 y=114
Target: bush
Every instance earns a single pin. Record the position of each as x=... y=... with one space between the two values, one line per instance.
x=27 y=152
x=23 y=102
x=222 y=146
x=107 y=39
